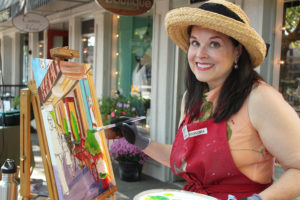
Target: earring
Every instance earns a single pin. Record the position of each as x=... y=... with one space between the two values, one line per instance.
x=235 y=66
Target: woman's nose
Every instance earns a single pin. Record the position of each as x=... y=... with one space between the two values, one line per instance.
x=202 y=52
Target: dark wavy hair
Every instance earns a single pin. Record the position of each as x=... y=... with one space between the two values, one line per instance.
x=234 y=91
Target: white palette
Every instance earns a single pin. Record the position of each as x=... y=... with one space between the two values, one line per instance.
x=171 y=194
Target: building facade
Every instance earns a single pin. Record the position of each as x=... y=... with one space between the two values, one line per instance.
x=133 y=55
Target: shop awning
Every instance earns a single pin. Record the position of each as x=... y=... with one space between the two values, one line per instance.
x=12 y=8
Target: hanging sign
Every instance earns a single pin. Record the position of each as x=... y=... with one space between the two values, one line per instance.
x=31 y=22
x=126 y=7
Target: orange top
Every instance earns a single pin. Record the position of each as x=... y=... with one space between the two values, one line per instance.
x=247 y=149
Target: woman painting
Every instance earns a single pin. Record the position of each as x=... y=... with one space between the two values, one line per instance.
x=233 y=125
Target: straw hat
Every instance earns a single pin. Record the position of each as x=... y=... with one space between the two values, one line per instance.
x=218 y=15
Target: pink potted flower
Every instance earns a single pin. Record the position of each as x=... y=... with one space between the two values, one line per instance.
x=130 y=159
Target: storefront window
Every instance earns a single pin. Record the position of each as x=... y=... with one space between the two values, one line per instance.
x=87 y=41
x=290 y=55
x=132 y=51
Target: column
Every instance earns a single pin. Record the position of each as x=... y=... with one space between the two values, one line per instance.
x=102 y=53
x=162 y=100
x=75 y=35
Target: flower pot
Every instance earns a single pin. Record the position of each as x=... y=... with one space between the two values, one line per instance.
x=130 y=171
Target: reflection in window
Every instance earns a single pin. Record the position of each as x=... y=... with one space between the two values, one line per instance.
x=24 y=54
x=87 y=41
x=290 y=55
x=41 y=44
x=132 y=56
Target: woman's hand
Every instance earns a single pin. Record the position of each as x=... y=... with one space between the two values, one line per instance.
x=130 y=132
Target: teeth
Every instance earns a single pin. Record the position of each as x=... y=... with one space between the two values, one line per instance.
x=203 y=66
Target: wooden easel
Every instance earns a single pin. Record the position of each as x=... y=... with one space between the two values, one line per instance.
x=30 y=97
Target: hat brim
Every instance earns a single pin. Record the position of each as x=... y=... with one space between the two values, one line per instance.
x=178 y=20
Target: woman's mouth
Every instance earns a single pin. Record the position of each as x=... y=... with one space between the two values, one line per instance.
x=204 y=66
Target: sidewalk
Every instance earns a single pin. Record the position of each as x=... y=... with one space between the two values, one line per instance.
x=126 y=190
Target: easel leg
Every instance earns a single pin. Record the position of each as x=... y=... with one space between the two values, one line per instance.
x=43 y=142
x=25 y=144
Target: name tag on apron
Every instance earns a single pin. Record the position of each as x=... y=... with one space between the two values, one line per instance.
x=188 y=134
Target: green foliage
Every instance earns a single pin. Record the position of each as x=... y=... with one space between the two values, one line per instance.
x=16 y=102
x=292 y=17
x=91 y=143
x=120 y=105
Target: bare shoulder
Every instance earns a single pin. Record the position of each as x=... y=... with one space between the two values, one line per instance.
x=277 y=124
x=265 y=100
x=263 y=93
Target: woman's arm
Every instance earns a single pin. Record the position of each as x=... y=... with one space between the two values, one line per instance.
x=278 y=126
x=159 y=152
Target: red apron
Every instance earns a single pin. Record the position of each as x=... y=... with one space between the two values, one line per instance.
x=201 y=155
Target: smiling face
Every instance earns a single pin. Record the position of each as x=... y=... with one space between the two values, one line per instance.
x=211 y=55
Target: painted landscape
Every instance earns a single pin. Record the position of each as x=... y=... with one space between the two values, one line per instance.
x=79 y=157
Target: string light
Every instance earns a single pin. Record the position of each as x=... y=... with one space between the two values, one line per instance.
x=281 y=62
x=117 y=54
x=41 y=45
x=117 y=35
x=283 y=28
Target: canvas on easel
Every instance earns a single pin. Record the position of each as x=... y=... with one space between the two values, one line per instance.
x=70 y=114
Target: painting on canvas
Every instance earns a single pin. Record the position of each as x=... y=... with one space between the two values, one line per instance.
x=79 y=156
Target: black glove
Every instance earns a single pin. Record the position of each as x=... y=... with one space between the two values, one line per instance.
x=130 y=132
x=253 y=197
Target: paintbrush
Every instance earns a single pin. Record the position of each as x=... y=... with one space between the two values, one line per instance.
x=130 y=120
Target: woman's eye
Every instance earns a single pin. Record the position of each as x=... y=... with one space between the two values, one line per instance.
x=194 y=43
x=214 y=45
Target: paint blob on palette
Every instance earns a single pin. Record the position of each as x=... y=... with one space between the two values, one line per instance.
x=171 y=194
